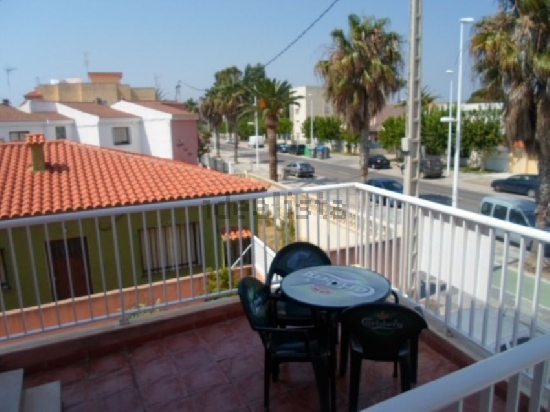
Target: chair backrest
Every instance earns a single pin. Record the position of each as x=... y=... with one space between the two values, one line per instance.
x=294 y=256
x=254 y=296
x=383 y=328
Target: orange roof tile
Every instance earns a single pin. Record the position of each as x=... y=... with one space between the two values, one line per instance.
x=11 y=114
x=99 y=110
x=36 y=93
x=234 y=233
x=81 y=177
x=173 y=108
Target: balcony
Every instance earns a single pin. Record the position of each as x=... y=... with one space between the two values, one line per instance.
x=132 y=306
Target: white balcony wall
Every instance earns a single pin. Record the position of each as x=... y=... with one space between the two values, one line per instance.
x=156 y=127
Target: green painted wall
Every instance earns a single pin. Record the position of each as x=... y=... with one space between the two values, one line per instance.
x=103 y=243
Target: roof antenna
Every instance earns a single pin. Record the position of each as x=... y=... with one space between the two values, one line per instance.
x=86 y=63
x=178 y=91
x=9 y=69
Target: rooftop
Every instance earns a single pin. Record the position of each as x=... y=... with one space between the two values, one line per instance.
x=174 y=108
x=11 y=114
x=82 y=177
x=99 y=110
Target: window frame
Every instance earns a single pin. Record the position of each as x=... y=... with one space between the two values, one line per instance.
x=59 y=129
x=127 y=139
x=18 y=133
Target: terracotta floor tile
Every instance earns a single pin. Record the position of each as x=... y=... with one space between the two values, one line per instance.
x=243 y=363
x=214 y=333
x=145 y=353
x=206 y=377
x=78 y=392
x=154 y=370
x=254 y=384
x=128 y=400
x=194 y=359
x=66 y=375
x=184 y=404
x=163 y=390
x=227 y=348
x=184 y=342
x=109 y=363
x=93 y=406
x=114 y=382
x=223 y=398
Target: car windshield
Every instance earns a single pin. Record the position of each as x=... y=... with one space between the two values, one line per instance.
x=393 y=186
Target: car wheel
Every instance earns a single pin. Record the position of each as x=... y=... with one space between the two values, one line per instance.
x=497 y=188
x=531 y=193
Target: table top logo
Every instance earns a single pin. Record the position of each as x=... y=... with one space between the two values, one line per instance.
x=334 y=282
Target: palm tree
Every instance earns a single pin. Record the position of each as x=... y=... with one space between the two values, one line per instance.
x=273 y=97
x=510 y=51
x=192 y=105
x=231 y=96
x=363 y=68
x=210 y=109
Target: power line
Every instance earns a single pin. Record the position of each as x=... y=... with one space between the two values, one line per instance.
x=303 y=33
x=292 y=43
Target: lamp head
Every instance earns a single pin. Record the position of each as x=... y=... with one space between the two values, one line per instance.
x=467 y=20
x=449 y=71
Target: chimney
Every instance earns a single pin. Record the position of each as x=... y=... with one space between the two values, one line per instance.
x=5 y=102
x=36 y=145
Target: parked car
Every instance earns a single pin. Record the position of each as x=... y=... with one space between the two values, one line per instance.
x=523 y=184
x=513 y=210
x=431 y=167
x=297 y=149
x=387 y=184
x=379 y=162
x=299 y=169
x=282 y=148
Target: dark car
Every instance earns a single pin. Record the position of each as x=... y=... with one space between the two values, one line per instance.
x=523 y=184
x=299 y=169
x=431 y=167
x=387 y=184
x=282 y=148
x=297 y=149
x=379 y=162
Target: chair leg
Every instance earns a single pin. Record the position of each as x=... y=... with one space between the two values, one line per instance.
x=414 y=359
x=405 y=370
x=395 y=369
x=322 y=378
x=354 y=380
x=344 y=351
x=267 y=378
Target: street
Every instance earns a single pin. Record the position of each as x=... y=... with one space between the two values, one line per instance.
x=341 y=169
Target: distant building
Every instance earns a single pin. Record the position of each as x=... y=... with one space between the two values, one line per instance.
x=312 y=100
x=105 y=86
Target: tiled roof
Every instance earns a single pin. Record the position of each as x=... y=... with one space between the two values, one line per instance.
x=36 y=93
x=11 y=114
x=99 y=110
x=173 y=108
x=80 y=177
x=234 y=233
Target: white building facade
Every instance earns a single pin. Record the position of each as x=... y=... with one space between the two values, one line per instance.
x=312 y=103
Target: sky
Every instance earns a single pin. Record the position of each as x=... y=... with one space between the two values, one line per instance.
x=166 y=41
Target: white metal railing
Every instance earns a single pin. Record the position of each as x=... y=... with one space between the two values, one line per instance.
x=69 y=269
x=480 y=378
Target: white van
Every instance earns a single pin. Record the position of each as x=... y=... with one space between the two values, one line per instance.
x=518 y=211
x=253 y=139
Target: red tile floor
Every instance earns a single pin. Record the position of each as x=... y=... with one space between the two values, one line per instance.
x=213 y=368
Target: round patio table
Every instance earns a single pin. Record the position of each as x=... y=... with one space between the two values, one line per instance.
x=330 y=289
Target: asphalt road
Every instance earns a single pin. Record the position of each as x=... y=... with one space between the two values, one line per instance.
x=329 y=171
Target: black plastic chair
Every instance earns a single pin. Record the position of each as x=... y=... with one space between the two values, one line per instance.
x=344 y=343
x=383 y=332
x=283 y=344
x=294 y=256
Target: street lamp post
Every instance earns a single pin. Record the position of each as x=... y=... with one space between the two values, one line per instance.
x=450 y=125
x=463 y=21
x=310 y=119
x=256 y=132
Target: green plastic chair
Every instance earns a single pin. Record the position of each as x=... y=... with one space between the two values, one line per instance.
x=283 y=344
x=294 y=256
x=385 y=332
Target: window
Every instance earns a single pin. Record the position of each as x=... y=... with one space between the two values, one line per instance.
x=121 y=135
x=4 y=283
x=168 y=247
x=18 y=136
x=517 y=218
x=500 y=212
x=60 y=132
x=486 y=209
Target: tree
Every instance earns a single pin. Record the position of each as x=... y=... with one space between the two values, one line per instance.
x=328 y=128
x=482 y=131
x=363 y=68
x=192 y=105
x=210 y=108
x=284 y=126
x=434 y=132
x=510 y=51
x=393 y=130
x=273 y=97
x=486 y=96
